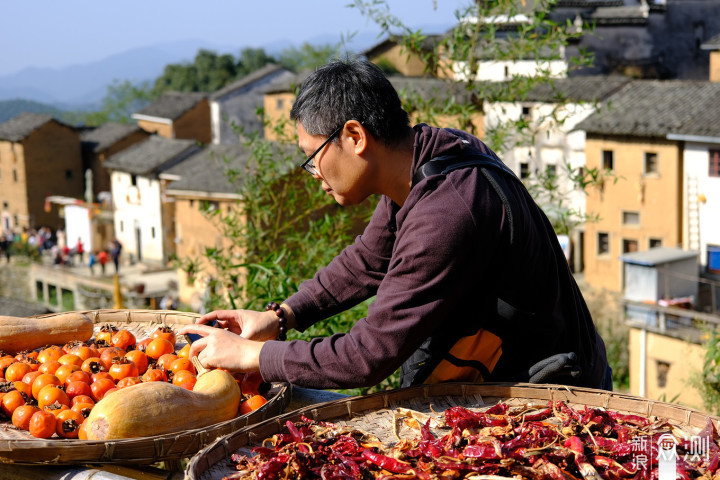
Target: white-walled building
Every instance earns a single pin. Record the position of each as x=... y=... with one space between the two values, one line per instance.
x=235 y=105
x=701 y=202
x=144 y=216
x=555 y=147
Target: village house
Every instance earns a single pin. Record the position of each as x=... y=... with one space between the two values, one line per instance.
x=551 y=148
x=234 y=108
x=713 y=46
x=144 y=215
x=390 y=55
x=658 y=141
x=203 y=192
x=99 y=144
x=39 y=156
x=178 y=115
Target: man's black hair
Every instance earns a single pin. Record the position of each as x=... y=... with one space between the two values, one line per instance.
x=351 y=90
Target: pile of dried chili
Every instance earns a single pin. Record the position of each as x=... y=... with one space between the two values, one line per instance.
x=557 y=442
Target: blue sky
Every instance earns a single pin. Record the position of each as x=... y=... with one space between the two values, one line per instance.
x=56 y=33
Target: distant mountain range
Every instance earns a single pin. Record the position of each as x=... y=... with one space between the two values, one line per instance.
x=82 y=86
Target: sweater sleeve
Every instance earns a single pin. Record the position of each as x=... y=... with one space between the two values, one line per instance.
x=434 y=252
x=351 y=277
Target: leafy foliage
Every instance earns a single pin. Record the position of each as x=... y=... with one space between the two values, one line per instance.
x=121 y=101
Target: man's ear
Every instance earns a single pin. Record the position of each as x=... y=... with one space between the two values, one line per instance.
x=359 y=136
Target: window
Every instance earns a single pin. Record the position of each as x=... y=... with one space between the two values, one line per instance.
x=655 y=242
x=603 y=243
x=122 y=226
x=14 y=175
x=526 y=111
x=631 y=218
x=714 y=164
x=651 y=162
x=524 y=170
x=607 y=159
x=192 y=203
x=133 y=180
x=152 y=232
x=279 y=104
x=551 y=170
x=507 y=71
x=6 y=205
x=629 y=245
x=662 y=372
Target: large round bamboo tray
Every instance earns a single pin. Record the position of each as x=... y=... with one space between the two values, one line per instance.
x=17 y=446
x=374 y=414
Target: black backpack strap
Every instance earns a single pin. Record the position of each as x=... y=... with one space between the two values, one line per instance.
x=444 y=164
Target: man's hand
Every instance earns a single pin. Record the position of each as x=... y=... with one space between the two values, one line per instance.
x=219 y=348
x=249 y=324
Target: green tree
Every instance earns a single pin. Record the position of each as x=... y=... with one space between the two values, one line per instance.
x=251 y=59
x=308 y=56
x=121 y=101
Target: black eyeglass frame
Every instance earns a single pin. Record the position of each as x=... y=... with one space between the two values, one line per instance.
x=307 y=165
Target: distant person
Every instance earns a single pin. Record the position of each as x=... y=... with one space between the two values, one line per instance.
x=91 y=262
x=79 y=250
x=5 y=245
x=102 y=259
x=168 y=303
x=115 y=254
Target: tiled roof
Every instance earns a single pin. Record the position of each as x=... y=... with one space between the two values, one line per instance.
x=654 y=108
x=151 y=156
x=427 y=88
x=711 y=44
x=621 y=15
x=589 y=3
x=247 y=80
x=106 y=135
x=20 y=126
x=289 y=84
x=577 y=89
x=206 y=171
x=172 y=105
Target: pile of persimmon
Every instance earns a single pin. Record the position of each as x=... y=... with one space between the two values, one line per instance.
x=50 y=391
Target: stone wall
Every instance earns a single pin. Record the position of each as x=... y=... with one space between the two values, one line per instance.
x=15 y=280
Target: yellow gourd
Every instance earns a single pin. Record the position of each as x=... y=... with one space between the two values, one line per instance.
x=18 y=334
x=158 y=408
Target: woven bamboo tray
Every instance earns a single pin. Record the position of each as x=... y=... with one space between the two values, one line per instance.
x=374 y=414
x=17 y=446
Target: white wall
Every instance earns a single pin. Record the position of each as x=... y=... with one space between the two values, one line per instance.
x=696 y=164
x=77 y=225
x=138 y=207
x=554 y=143
x=496 y=71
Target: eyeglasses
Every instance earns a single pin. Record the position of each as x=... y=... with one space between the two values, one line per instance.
x=308 y=164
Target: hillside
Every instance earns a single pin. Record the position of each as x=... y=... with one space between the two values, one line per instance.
x=11 y=108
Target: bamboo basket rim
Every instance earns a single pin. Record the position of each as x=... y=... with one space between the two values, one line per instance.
x=144 y=450
x=355 y=409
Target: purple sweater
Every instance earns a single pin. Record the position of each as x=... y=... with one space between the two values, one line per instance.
x=433 y=265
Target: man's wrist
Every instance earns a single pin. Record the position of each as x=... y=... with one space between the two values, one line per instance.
x=289 y=316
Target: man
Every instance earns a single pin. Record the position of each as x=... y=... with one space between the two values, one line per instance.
x=469 y=279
